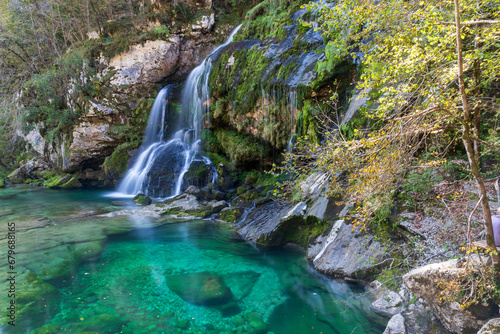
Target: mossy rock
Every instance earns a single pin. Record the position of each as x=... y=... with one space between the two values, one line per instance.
x=202 y=288
x=2 y=183
x=73 y=183
x=231 y=215
x=62 y=182
x=117 y=163
x=142 y=200
x=136 y=197
x=201 y=212
x=17 y=176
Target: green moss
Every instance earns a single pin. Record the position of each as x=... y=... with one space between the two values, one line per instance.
x=267 y=19
x=231 y=215
x=201 y=212
x=306 y=124
x=240 y=148
x=65 y=181
x=56 y=180
x=117 y=162
x=245 y=75
x=73 y=183
x=142 y=200
x=2 y=183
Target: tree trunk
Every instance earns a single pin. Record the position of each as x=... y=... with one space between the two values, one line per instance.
x=471 y=154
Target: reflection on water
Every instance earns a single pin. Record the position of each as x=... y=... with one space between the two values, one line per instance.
x=140 y=275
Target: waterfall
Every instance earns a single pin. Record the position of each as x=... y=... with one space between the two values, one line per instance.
x=160 y=168
x=292 y=107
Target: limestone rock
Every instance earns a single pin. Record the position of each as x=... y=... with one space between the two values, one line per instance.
x=91 y=141
x=423 y=282
x=396 y=325
x=388 y=304
x=491 y=327
x=359 y=100
x=420 y=318
x=148 y=63
x=217 y=206
x=205 y=24
x=345 y=251
x=185 y=205
x=313 y=186
x=36 y=140
x=263 y=222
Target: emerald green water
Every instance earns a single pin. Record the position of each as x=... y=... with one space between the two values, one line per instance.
x=83 y=273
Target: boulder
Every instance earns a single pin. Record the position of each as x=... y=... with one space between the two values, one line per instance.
x=491 y=327
x=185 y=205
x=388 y=304
x=424 y=282
x=262 y=224
x=345 y=251
x=217 y=206
x=201 y=288
x=396 y=325
x=421 y=319
x=142 y=200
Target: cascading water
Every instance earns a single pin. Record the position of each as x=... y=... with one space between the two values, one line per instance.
x=161 y=165
x=292 y=106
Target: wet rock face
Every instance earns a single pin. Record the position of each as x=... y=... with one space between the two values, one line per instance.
x=162 y=178
x=202 y=288
x=423 y=282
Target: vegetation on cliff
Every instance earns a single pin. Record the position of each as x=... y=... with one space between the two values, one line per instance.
x=429 y=102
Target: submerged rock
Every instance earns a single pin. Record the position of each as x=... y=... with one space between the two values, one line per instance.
x=202 y=288
x=35 y=300
x=118 y=203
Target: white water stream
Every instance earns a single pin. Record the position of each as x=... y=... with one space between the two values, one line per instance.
x=187 y=138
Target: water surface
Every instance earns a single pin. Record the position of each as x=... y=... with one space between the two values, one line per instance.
x=131 y=274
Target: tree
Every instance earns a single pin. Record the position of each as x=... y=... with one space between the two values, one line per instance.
x=432 y=78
